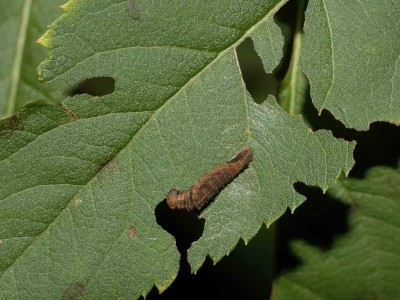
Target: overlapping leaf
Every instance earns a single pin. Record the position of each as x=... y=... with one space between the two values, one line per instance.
x=80 y=183
x=351 y=57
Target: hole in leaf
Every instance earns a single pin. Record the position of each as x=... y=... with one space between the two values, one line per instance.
x=258 y=83
x=318 y=221
x=243 y=274
x=96 y=86
x=185 y=226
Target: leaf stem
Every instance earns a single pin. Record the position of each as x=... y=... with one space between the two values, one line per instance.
x=19 y=53
x=295 y=58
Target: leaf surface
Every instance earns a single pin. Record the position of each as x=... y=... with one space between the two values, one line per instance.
x=82 y=181
x=23 y=22
x=351 y=57
x=364 y=263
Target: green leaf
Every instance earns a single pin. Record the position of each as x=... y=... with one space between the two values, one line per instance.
x=363 y=264
x=23 y=22
x=80 y=183
x=351 y=57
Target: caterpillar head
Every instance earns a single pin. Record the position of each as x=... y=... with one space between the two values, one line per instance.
x=172 y=198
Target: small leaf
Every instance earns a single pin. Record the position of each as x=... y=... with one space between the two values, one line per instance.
x=363 y=264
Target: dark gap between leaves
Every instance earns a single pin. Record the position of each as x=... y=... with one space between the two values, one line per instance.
x=285 y=18
x=379 y=146
x=96 y=86
x=318 y=221
x=259 y=83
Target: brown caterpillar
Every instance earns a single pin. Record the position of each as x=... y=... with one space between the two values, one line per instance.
x=210 y=183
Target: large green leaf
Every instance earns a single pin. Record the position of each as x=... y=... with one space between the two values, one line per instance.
x=22 y=23
x=351 y=57
x=77 y=180
x=363 y=264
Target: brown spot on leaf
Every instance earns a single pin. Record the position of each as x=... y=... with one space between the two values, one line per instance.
x=1 y=242
x=134 y=10
x=368 y=295
x=74 y=291
x=132 y=232
x=10 y=123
